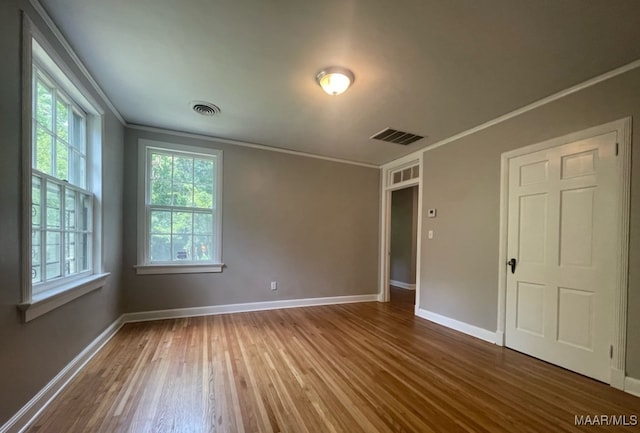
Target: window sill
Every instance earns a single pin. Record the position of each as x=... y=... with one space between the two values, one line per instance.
x=179 y=269
x=44 y=302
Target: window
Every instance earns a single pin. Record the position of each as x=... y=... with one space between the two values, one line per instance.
x=61 y=251
x=61 y=207
x=180 y=212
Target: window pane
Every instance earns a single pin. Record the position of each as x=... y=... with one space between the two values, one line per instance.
x=203 y=172
x=81 y=175
x=203 y=196
x=182 y=222
x=160 y=248
x=161 y=169
x=160 y=222
x=77 y=174
x=202 y=223
x=36 y=273
x=74 y=168
x=184 y=186
x=53 y=255
x=182 y=247
x=36 y=206
x=70 y=210
x=202 y=246
x=70 y=263
x=182 y=170
x=62 y=120
x=53 y=205
x=44 y=151
x=79 y=137
x=183 y=194
x=83 y=251
x=84 y=217
x=62 y=161
x=44 y=105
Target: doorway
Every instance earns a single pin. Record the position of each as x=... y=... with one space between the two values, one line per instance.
x=405 y=177
x=564 y=222
x=403 y=246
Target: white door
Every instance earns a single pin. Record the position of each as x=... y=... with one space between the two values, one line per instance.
x=562 y=233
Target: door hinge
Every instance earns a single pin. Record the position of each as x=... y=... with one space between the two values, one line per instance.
x=617 y=148
x=611 y=352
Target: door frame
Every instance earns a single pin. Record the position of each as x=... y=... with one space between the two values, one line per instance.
x=386 y=189
x=623 y=166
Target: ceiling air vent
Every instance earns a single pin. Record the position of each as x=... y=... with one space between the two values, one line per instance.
x=205 y=108
x=398 y=137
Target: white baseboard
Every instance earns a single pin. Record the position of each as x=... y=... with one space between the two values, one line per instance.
x=632 y=386
x=241 y=308
x=402 y=285
x=465 y=328
x=617 y=379
x=21 y=420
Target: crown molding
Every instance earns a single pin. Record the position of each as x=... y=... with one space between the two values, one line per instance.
x=559 y=95
x=74 y=57
x=246 y=144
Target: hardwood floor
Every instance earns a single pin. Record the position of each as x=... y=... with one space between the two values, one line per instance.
x=402 y=298
x=367 y=367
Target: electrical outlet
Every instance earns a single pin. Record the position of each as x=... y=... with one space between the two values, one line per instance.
x=274 y=285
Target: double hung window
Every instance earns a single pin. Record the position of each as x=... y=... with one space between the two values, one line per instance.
x=61 y=205
x=180 y=212
x=62 y=182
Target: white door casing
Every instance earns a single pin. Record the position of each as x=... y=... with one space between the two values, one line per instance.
x=387 y=187
x=564 y=219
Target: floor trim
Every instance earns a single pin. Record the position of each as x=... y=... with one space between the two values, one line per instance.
x=400 y=284
x=25 y=416
x=241 y=308
x=632 y=386
x=457 y=325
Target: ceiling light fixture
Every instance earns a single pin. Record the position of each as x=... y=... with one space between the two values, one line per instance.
x=335 y=80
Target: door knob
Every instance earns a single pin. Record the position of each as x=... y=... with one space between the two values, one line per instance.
x=512 y=263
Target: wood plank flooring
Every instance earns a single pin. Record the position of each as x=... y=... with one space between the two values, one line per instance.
x=367 y=367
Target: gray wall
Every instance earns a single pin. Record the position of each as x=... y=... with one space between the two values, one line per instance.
x=404 y=221
x=462 y=179
x=310 y=224
x=32 y=354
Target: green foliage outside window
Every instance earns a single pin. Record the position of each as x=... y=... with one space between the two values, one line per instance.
x=182 y=203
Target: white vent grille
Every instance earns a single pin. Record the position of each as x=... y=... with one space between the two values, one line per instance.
x=395 y=136
x=205 y=108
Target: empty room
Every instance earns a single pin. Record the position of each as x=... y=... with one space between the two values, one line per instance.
x=292 y=216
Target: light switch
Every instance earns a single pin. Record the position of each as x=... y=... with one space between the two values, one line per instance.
x=430 y=234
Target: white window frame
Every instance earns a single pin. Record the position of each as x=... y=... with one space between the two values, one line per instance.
x=37 y=50
x=145 y=266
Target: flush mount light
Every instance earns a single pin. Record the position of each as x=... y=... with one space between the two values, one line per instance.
x=335 y=80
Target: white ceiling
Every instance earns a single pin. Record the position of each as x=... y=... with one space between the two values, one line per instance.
x=430 y=67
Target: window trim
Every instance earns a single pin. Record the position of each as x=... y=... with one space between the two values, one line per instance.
x=144 y=267
x=50 y=62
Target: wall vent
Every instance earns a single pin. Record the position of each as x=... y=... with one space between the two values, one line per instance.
x=395 y=136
